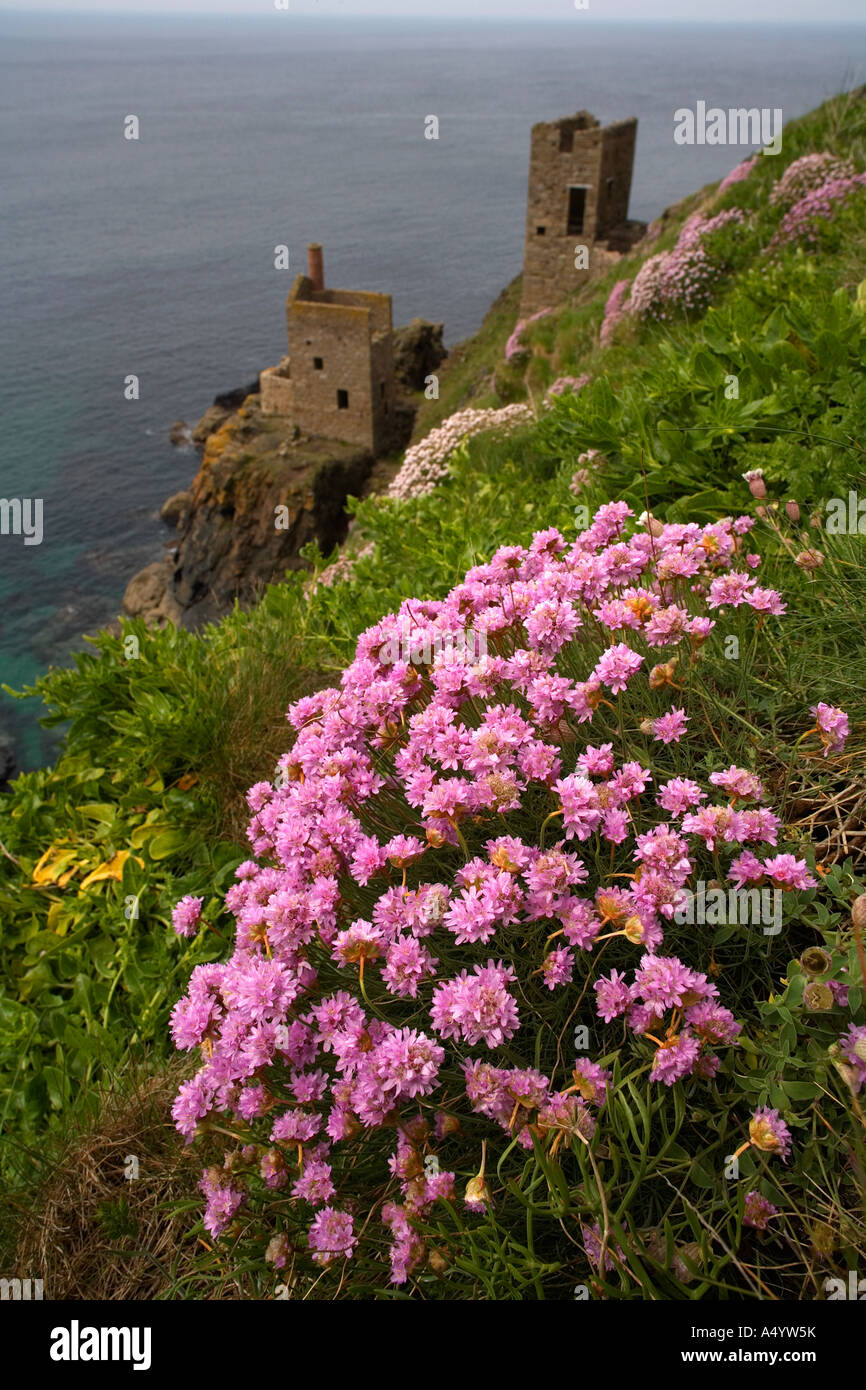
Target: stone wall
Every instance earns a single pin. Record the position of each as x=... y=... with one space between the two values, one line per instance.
x=277 y=390
x=572 y=152
x=341 y=363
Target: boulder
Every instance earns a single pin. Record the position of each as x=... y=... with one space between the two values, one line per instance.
x=213 y=417
x=149 y=595
x=7 y=763
x=233 y=400
x=418 y=351
x=174 y=510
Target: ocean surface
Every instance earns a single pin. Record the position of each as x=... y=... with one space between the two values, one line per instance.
x=156 y=257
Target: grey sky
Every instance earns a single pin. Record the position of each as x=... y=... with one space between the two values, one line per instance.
x=720 y=11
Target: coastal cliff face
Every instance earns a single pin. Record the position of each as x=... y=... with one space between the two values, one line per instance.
x=262 y=492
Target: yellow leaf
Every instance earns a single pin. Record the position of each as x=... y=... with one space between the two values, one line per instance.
x=111 y=869
x=54 y=862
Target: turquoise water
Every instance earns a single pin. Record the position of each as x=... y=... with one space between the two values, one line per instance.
x=156 y=257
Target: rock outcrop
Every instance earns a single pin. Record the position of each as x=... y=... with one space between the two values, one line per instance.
x=7 y=763
x=418 y=351
x=174 y=510
x=263 y=491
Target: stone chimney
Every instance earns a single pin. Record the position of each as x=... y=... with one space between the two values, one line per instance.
x=316 y=265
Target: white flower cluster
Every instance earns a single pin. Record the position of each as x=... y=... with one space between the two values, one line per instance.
x=426 y=463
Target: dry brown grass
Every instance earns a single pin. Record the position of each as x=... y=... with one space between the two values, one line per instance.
x=89 y=1233
x=831 y=817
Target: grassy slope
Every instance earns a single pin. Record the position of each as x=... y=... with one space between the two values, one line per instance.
x=162 y=745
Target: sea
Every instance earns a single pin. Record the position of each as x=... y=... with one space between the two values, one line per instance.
x=155 y=258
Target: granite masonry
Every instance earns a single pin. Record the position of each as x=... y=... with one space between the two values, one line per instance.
x=338 y=380
x=577 y=205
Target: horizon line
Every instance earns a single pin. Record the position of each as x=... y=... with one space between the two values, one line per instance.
x=489 y=19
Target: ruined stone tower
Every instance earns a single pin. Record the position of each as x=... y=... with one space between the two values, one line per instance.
x=579 y=186
x=338 y=380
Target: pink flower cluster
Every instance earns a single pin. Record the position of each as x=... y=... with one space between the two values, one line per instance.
x=832 y=726
x=819 y=204
x=426 y=463
x=614 y=311
x=738 y=173
x=515 y=347
x=697 y=1024
x=681 y=279
x=758 y=1211
x=853 y=1048
x=569 y=383
x=186 y=915
x=805 y=175
x=417 y=891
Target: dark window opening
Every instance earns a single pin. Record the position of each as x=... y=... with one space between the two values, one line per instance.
x=318 y=363
x=382 y=389
x=576 y=210
x=566 y=141
x=342 y=400
x=541 y=230
x=609 y=189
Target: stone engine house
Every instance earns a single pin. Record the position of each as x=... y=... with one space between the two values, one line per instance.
x=338 y=380
x=579 y=187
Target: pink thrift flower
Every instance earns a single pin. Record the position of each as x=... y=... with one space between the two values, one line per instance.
x=186 y=915
x=332 y=1235
x=679 y=794
x=670 y=727
x=832 y=726
x=757 y=1211
x=616 y=666
x=768 y=1132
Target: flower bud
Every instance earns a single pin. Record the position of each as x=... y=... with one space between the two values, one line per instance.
x=858 y=912
x=634 y=930
x=793 y=510
x=448 y=1124
x=477 y=1190
x=438 y=1263
x=817 y=998
x=815 y=961
x=755 y=479
x=809 y=560
x=652 y=523
x=647 y=726
x=663 y=674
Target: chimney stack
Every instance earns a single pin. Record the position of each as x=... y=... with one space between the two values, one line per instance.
x=316 y=265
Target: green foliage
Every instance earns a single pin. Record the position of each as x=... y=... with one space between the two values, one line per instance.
x=146 y=800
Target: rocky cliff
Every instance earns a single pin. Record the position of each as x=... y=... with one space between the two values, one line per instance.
x=262 y=492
